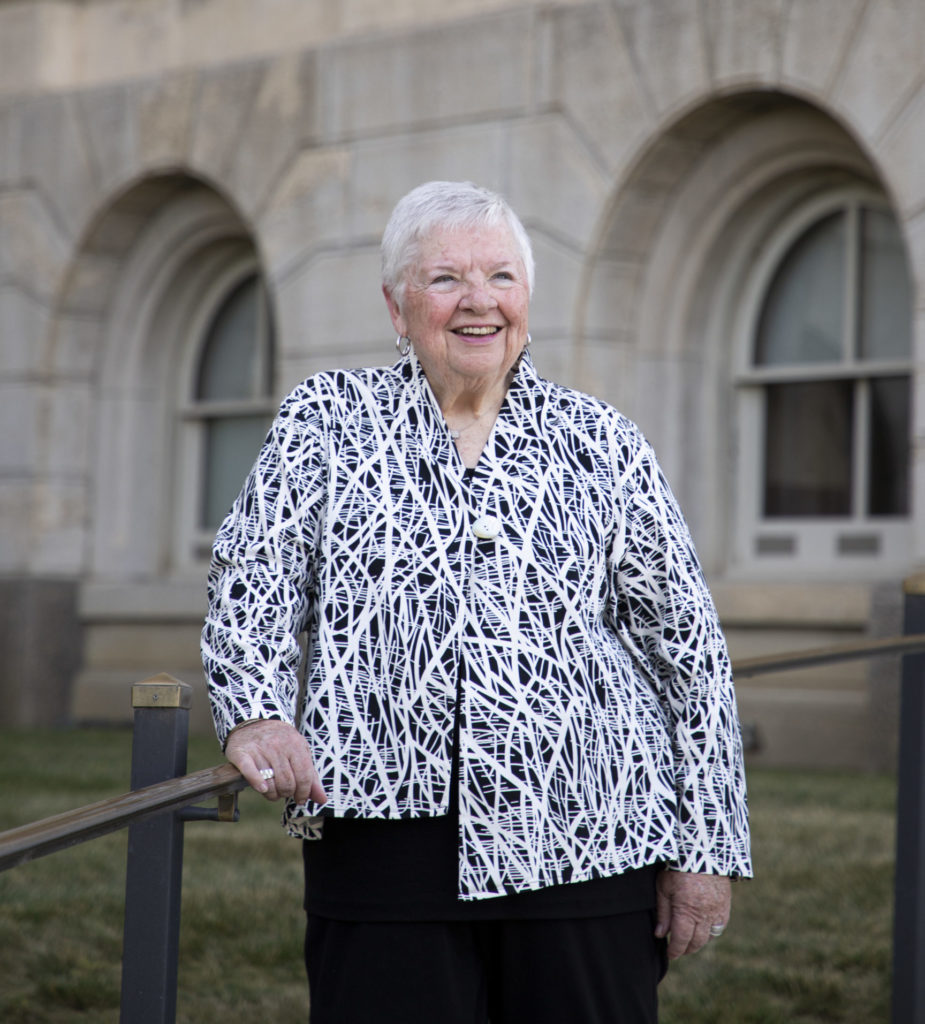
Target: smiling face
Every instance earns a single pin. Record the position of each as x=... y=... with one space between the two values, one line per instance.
x=464 y=306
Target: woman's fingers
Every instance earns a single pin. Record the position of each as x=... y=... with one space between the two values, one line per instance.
x=692 y=905
x=274 y=759
x=243 y=758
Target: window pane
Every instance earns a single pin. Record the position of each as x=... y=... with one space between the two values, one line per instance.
x=232 y=443
x=888 y=471
x=803 y=314
x=808 y=442
x=885 y=302
x=230 y=364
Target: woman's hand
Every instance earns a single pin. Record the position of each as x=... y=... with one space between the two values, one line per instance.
x=688 y=906
x=270 y=744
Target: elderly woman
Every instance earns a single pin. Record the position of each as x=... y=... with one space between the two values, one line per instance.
x=515 y=754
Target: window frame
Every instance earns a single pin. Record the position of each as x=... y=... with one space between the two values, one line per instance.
x=193 y=542
x=854 y=544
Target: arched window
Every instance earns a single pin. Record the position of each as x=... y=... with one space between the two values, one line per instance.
x=827 y=388
x=230 y=402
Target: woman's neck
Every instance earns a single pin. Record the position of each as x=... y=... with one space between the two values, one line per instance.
x=470 y=413
x=470 y=398
x=471 y=404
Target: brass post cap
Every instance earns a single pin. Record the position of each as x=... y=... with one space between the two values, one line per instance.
x=162 y=691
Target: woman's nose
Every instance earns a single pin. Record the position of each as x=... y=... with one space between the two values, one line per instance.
x=477 y=296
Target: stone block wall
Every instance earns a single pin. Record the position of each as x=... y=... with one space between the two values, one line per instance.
x=635 y=139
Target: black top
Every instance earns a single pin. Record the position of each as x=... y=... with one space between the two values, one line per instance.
x=372 y=869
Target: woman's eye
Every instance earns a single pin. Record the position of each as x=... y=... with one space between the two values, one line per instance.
x=504 y=275
x=443 y=278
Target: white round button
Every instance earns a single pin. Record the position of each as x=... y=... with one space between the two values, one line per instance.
x=486 y=527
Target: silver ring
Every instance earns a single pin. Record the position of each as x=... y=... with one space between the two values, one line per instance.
x=267 y=773
x=716 y=930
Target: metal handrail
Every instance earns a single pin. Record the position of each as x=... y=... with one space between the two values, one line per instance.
x=744 y=667
x=39 y=838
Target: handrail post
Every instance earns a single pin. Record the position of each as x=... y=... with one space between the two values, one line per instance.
x=909 y=900
x=155 y=857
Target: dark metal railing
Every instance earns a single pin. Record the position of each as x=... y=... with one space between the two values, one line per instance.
x=909 y=883
x=154 y=863
x=50 y=835
x=164 y=798
x=742 y=668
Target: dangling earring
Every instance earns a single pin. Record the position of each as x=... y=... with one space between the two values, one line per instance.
x=403 y=344
x=529 y=339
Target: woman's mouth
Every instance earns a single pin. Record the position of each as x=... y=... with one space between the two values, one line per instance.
x=477 y=332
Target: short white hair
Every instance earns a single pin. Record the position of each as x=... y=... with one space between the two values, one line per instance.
x=444 y=205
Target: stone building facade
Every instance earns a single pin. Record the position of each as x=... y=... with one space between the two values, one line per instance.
x=727 y=205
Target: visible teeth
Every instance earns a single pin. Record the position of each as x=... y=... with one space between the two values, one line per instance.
x=477 y=330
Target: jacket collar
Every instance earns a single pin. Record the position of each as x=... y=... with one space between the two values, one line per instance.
x=424 y=420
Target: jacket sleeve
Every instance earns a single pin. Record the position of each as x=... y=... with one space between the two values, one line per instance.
x=665 y=617
x=262 y=573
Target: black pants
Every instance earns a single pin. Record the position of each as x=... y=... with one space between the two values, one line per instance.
x=598 y=970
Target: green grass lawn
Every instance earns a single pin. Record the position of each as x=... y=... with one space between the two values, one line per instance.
x=809 y=940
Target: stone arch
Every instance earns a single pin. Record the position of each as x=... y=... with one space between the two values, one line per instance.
x=674 y=249
x=134 y=282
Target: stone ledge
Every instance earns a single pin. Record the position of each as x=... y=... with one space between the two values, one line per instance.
x=806 y=729
x=841 y=606
x=180 y=600
x=105 y=698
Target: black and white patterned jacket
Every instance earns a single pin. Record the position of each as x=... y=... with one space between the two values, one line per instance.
x=598 y=726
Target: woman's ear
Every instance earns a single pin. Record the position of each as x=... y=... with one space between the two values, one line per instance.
x=398 y=321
